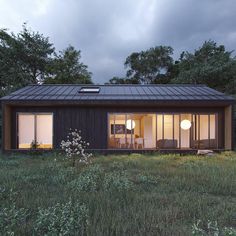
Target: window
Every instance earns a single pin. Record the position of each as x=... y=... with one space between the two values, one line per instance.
x=132 y=131
x=89 y=90
x=35 y=130
x=162 y=131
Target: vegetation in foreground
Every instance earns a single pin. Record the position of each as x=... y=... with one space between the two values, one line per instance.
x=118 y=195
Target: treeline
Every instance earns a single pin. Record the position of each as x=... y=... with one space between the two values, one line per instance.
x=211 y=64
x=29 y=58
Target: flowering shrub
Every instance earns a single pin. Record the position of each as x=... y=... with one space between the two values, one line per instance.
x=211 y=228
x=75 y=147
x=117 y=181
x=70 y=218
x=89 y=180
x=11 y=217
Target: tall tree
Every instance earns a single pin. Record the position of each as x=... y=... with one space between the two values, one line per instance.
x=119 y=80
x=66 y=68
x=23 y=58
x=211 y=65
x=151 y=66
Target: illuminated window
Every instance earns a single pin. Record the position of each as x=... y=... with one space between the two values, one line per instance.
x=35 y=130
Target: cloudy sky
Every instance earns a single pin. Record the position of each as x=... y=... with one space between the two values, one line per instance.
x=107 y=31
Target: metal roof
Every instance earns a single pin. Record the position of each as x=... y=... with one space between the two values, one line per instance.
x=154 y=92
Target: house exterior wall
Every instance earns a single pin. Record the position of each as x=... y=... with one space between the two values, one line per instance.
x=228 y=127
x=93 y=121
x=6 y=127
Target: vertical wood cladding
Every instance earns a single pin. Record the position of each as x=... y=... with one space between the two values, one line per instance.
x=92 y=121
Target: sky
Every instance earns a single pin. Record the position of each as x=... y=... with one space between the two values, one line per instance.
x=107 y=31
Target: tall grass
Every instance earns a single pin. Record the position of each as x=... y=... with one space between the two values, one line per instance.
x=117 y=195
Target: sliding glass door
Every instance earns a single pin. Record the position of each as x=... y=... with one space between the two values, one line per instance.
x=162 y=131
x=35 y=130
x=132 y=131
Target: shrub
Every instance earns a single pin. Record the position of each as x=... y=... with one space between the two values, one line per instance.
x=211 y=229
x=147 y=179
x=89 y=180
x=75 y=147
x=70 y=218
x=117 y=181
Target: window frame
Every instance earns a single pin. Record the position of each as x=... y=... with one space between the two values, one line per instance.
x=197 y=114
x=35 y=128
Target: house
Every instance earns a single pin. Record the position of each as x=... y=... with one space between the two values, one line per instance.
x=119 y=117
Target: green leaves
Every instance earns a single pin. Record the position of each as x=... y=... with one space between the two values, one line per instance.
x=150 y=66
x=211 y=65
x=66 y=68
x=29 y=58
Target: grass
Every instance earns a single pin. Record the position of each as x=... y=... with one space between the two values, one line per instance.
x=116 y=195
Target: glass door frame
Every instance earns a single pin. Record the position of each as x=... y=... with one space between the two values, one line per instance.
x=173 y=114
x=35 y=126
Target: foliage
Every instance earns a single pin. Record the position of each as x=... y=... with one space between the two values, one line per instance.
x=11 y=217
x=118 y=80
x=66 y=68
x=89 y=180
x=23 y=58
x=75 y=146
x=34 y=144
x=29 y=58
x=117 y=181
x=211 y=229
x=211 y=65
x=70 y=218
x=151 y=66
x=165 y=194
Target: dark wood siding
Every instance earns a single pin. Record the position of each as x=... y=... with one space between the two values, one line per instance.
x=92 y=121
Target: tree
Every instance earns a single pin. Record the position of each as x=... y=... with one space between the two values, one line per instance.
x=23 y=58
x=118 y=80
x=66 y=68
x=151 y=66
x=211 y=65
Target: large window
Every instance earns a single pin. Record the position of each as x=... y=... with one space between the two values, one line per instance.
x=162 y=131
x=35 y=130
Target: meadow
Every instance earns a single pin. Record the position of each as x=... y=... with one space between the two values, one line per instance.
x=137 y=194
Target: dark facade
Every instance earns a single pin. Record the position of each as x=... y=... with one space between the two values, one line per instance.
x=90 y=113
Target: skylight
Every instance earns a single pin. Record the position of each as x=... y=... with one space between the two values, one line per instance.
x=89 y=90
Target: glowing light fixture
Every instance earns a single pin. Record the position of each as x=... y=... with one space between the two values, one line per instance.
x=185 y=124
x=130 y=124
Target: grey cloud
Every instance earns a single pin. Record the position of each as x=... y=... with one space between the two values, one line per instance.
x=108 y=31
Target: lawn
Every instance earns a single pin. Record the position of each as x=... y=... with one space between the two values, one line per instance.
x=133 y=194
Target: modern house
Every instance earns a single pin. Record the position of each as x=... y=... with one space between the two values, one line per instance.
x=119 y=117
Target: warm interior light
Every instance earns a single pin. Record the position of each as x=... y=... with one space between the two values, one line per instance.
x=185 y=124
x=130 y=124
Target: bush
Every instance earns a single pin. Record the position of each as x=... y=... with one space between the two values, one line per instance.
x=70 y=218
x=89 y=180
x=147 y=179
x=117 y=181
x=75 y=146
x=211 y=229
x=11 y=219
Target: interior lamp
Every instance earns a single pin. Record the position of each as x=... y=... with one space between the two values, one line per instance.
x=130 y=124
x=185 y=124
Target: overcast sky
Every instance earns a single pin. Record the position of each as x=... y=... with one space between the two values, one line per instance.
x=107 y=31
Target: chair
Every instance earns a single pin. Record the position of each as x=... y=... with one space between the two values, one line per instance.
x=122 y=142
x=139 y=142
